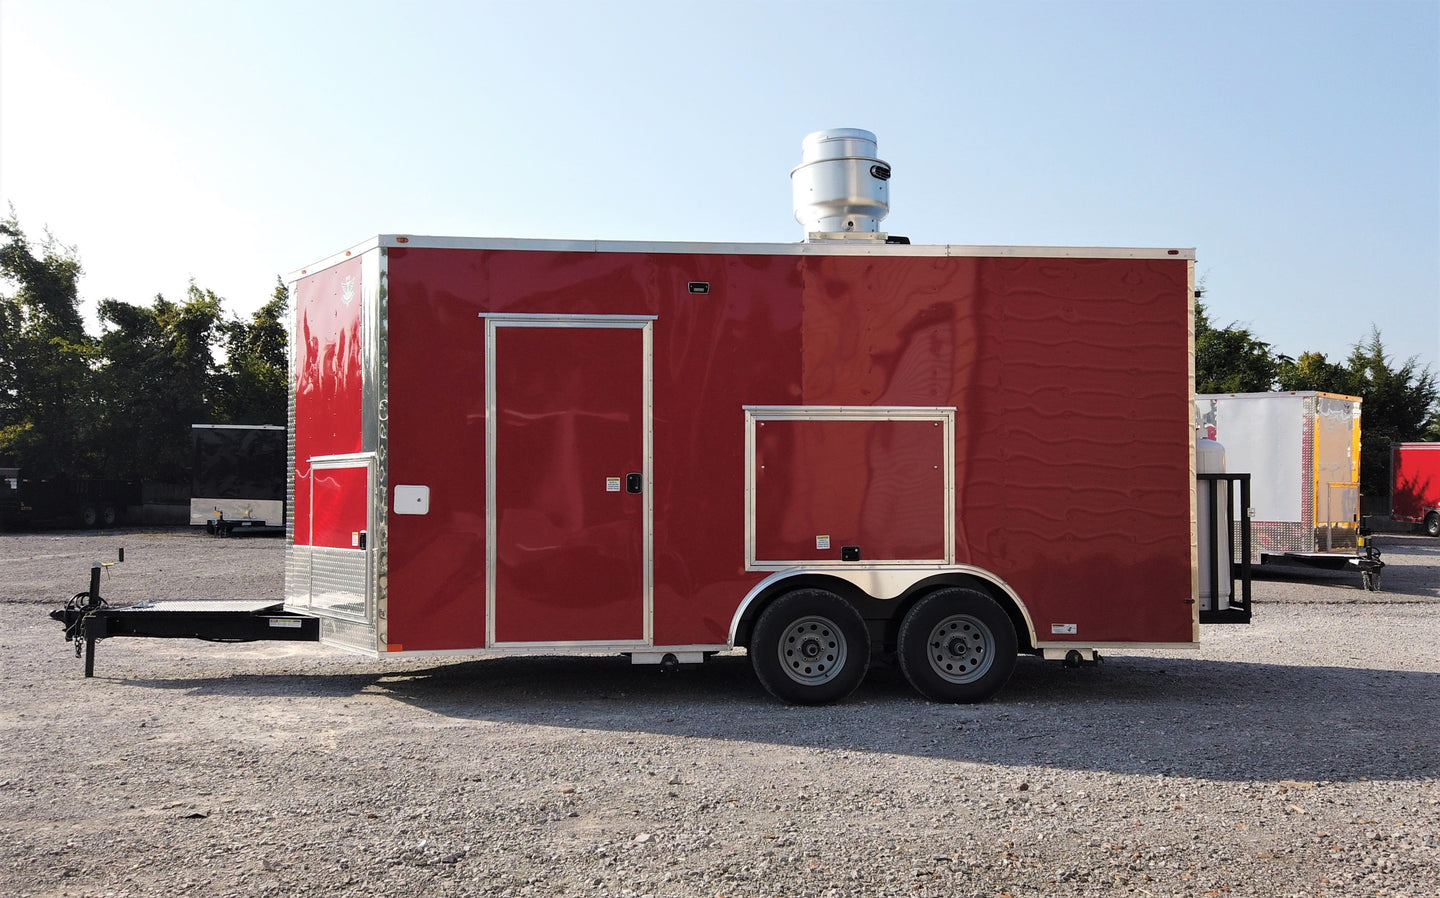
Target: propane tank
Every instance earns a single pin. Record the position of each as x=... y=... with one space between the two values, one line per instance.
x=1214 y=529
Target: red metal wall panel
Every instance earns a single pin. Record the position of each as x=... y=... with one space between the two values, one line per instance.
x=1070 y=377
x=328 y=389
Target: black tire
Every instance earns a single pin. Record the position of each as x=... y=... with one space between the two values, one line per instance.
x=810 y=647
x=957 y=645
x=1432 y=524
x=109 y=517
x=88 y=517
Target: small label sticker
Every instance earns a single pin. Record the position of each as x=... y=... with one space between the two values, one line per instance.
x=1063 y=629
x=355 y=539
x=822 y=542
x=612 y=484
x=288 y=622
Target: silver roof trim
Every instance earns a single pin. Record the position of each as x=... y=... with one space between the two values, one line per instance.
x=855 y=248
x=355 y=251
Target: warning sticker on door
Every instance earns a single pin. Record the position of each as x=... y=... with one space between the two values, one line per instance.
x=612 y=484
x=822 y=542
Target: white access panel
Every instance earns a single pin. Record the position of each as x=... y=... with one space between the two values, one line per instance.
x=1264 y=436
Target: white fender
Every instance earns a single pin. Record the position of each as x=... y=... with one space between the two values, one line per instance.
x=880 y=583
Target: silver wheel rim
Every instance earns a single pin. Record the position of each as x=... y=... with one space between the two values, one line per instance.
x=960 y=649
x=812 y=650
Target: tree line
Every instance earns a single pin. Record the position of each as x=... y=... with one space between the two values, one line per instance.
x=1400 y=402
x=120 y=405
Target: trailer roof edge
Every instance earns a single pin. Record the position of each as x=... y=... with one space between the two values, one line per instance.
x=1280 y=394
x=845 y=248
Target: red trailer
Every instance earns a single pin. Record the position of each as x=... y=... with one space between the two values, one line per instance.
x=822 y=452
x=1415 y=484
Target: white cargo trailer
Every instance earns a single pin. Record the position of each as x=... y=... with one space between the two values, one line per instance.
x=1302 y=451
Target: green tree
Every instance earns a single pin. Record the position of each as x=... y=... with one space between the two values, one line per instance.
x=1231 y=359
x=1397 y=404
x=158 y=377
x=47 y=408
x=1313 y=371
x=253 y=381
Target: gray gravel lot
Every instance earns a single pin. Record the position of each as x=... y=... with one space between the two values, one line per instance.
x=1294 y=756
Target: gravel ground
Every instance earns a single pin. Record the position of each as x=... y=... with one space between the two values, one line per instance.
x=1295 y=756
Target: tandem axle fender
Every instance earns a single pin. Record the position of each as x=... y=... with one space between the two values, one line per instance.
x=88 y=618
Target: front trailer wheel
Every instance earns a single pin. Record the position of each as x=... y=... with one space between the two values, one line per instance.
x=810 y=647
x=1432 y=524
x=957 y=645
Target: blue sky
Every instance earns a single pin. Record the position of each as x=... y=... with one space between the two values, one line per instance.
x=1296 y=146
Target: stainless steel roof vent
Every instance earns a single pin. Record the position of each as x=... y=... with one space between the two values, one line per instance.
x=841 y=188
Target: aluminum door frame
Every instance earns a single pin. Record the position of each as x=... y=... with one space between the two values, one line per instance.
x=645 y=324
x=942 y=415
x=366 y=460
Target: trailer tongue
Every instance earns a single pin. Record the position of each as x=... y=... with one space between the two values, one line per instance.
x=88 y=618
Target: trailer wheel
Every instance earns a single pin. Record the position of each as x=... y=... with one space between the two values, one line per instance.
x=108 y=516
x=1432 y=524
x=957 y=645
x=810 y=647
x=89 y=517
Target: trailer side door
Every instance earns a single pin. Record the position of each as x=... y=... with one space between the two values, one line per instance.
x=568 y=484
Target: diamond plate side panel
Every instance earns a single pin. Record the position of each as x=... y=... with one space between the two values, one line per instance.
x=1274 y=537
x=297 y=577
x=345 y=634
x=1307 y=473
x=297 y=560
x=380 y=396
x=339 y=581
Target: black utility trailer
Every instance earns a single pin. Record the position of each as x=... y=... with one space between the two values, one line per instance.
x=53 y=500
x=238 y=478
x=1365 y=559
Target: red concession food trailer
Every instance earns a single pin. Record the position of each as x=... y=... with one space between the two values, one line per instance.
x=1415 y=484
x=816 y=451
x=823 y=452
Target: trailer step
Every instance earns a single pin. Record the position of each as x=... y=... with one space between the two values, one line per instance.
x=206 y=605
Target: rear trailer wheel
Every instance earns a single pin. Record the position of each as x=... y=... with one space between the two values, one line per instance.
x=1432 y=524
x=810 y=647
x=957 y=645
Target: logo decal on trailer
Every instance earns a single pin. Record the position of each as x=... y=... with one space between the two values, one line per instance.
x=1063 y=629
x=347 y=290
